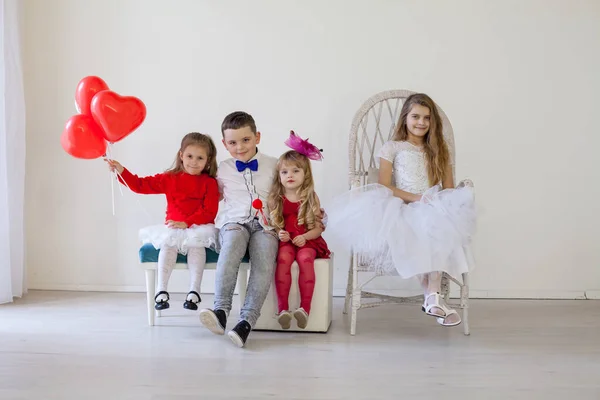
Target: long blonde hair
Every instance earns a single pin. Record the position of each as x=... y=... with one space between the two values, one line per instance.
x=309 y=204
x=436 y=149
x=197 y=139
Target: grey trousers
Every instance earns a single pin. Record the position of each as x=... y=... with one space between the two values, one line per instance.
x=262 y=246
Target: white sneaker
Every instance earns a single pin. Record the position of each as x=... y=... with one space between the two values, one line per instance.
x=285 y=319
x=301 y=318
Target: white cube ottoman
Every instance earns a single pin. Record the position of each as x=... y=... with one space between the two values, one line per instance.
x=321 y=306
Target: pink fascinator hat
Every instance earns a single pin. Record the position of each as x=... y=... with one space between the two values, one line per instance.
x=304 y=147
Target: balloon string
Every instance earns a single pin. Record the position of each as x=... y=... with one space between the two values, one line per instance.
x=111 y=175
x=118 y=176
x=136 y=200
x=112 y=191
x=110 y=157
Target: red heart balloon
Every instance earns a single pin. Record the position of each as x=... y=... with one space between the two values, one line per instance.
x=117 y=115
x=86 y=90
x=82 y=138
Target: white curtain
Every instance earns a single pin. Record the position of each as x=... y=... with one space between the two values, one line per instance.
x=12 y=154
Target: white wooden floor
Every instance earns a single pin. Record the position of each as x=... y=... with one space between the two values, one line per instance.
x=87 y=346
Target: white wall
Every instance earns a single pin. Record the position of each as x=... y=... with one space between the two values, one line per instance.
x=518 y=79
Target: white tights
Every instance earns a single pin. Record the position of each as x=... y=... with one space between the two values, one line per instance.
x=431 y=282
x=167 y=257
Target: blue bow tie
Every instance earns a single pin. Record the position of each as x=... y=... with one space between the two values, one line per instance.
x=252 y=164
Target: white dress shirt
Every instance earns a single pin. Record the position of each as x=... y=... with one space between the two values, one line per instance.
x=240 y=189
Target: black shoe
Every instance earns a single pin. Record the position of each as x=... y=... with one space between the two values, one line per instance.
x=163 y=304
x=189 y=304
x=215 y=321
x=239 y=333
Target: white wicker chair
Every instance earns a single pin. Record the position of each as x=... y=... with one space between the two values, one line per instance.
x=373 y=125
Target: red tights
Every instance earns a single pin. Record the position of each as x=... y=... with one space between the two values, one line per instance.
x=306 y=277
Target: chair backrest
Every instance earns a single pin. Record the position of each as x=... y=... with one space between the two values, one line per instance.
x=373 y=125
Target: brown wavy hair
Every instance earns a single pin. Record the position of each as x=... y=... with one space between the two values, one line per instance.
x=197 y=139
x=435 y=147
x=309 y=203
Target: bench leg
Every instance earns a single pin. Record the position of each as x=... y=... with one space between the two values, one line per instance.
x=464 y=302
x=356 y=294
x=150 y=287
x=348 y=297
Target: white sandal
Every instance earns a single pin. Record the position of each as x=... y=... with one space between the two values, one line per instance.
x=427 y=307
x=449 y=312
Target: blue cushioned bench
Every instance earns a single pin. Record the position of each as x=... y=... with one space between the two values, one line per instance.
x=148 y=256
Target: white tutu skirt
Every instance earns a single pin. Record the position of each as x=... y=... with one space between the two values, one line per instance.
x=182 y=239
x=410 y=238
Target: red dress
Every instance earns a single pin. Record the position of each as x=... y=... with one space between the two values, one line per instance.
x=290 y=221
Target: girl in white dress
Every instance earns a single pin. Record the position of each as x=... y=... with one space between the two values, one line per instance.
x=414 y=220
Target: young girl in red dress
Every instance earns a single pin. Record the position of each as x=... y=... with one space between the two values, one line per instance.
x=192 y=202
x=294 y=206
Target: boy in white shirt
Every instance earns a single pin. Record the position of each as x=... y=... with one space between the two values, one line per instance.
x=242 y=179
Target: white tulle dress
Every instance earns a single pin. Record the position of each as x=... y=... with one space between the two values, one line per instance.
x=430 y=235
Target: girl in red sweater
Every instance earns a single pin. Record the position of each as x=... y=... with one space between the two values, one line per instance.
x=192 y=202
